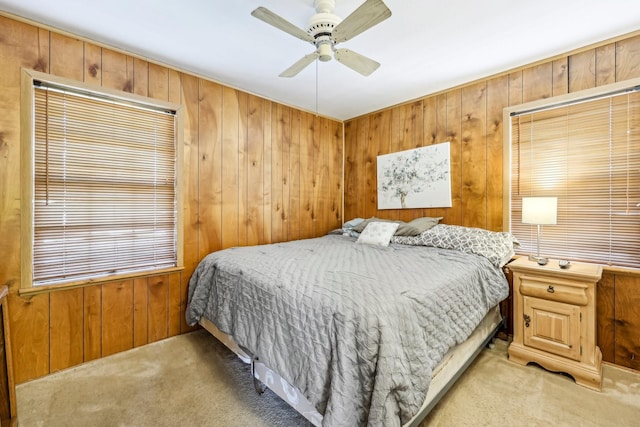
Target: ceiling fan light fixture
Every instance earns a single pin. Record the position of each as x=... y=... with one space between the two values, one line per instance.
x=325 y=52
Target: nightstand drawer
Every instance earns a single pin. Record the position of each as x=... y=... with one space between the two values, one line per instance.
x=554 y=290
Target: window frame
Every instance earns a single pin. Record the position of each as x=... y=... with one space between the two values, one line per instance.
x=548 y=103
x=27 y=169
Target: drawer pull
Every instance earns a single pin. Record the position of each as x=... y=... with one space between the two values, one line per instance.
x=527 y=320
x=550 y=289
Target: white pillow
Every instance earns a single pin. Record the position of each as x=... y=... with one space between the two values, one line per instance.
x=378 y=233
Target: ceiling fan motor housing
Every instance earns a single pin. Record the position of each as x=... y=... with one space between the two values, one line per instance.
x=320 y=27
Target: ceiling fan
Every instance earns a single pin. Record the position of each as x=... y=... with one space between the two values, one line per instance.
x=325 y=30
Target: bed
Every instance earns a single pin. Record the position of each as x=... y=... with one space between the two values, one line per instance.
x=350 y=330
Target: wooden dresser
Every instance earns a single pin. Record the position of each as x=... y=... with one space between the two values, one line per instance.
x=554 y=322
x=8 y=410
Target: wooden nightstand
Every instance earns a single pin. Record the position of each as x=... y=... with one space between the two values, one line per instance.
x=554 y=321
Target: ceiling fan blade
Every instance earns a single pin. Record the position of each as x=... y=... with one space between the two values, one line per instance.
x=370 y=13
x=280 y=23
x=356 y=62
x=299 y=65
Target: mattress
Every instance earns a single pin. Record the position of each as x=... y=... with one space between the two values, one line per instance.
x=453 y=364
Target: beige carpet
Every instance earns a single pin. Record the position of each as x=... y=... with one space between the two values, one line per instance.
x=193 y=380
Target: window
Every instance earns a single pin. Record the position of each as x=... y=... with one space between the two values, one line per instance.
x=584 y=150
x=103 y=184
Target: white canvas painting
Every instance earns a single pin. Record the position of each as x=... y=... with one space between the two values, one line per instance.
x=418 y=178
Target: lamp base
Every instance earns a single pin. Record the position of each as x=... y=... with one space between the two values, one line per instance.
x=539 y=259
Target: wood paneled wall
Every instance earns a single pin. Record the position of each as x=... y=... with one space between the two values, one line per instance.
x=255 y=172
x=470 y=117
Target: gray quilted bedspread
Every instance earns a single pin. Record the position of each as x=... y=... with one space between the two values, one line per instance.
x=356 y=328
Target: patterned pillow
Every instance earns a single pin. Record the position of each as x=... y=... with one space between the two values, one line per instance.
x=497 y=247
x=378 y=233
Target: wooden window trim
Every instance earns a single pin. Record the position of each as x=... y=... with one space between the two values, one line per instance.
x=27 y=177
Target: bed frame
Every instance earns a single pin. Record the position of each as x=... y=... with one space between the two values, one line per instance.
x=446 y=373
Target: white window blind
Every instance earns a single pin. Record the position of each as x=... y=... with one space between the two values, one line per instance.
x=104 y=187
x=588 y=155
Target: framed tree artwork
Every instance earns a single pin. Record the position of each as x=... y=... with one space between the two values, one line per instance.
x=417 y=178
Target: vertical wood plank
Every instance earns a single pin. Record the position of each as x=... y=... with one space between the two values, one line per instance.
x=350 y=173
x=412 y=136
x=140 y=315
x=43 y=53
x=327 y=214
x=243 y=183
x=560 y=76
x=294 y=176
x=29 y=319
x=419 y=140
x=537 y=82
x=376 y=133
x=267 y=178
x=175 y=302
x=278 y=214
x=497 y=98
x=396 y=143
x=474 y=155
x=582 y=70
x=175 y=87
x=606 y=64
x=605 y=306
x=306 y=183
x=322 y=178
x=255 y=172
x=285 y=135
x=140 y=77
x=628 y=58
x=189 y=99
x=229 y=220
x=336 y=174
x=209 y=169
x=627 y=315
x=158 y=308
x=117 y=317
x=92 y=64
x=117 y=71
x=515 y=88
x=430 y=120
x=158 y=82
x=92 y=328
x=67 y=57
x=453 y=215
x=65 y=329
x=438 y=132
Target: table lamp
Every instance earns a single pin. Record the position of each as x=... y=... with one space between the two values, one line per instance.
x=539 y=211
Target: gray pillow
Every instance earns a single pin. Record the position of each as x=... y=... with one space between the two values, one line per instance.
x=417 y=226
x=412 y=228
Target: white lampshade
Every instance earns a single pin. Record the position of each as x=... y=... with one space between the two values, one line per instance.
x=540 y=210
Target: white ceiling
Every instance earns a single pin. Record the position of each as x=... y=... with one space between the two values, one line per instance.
x=424 y=47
